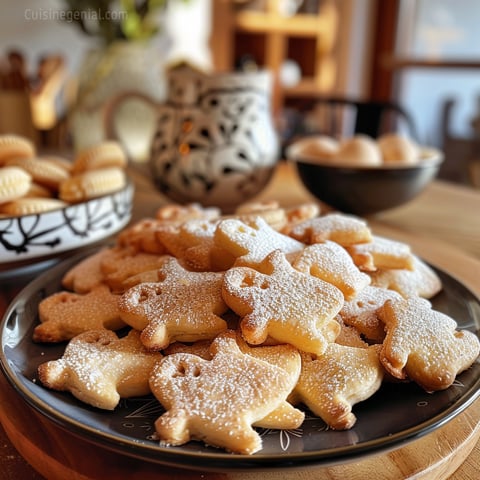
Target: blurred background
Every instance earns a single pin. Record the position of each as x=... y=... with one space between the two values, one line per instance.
x=64 y=64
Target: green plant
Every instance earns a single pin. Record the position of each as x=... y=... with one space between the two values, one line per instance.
x=113 y=20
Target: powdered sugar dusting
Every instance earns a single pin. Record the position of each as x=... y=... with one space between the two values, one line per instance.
x=341 y=228
x=424 y=344
x=218 y=400
x=182 y=305
x=330 y=262
x=97 y=367
x=253 y=242
x=302 y=316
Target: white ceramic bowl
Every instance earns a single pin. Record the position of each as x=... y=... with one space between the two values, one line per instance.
x=29 y=238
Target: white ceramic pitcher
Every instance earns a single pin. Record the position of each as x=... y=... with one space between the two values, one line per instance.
x=214 y=140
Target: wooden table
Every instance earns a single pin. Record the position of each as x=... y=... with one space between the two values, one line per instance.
x=442 y=225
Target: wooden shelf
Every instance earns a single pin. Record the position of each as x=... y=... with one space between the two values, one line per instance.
x=301 y=25
x=269 y=39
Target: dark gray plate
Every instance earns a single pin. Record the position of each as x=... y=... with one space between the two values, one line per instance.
x=395 y=415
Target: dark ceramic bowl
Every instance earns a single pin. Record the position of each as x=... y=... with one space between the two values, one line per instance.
x=365 y=190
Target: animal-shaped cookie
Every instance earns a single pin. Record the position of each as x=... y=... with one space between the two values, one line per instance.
x=63 y=315
x=202 y=253
x=142 y=237
x=99 y=368
x=126 y=262
x=422 y=281
x=330 y=384
x=193 y=242
x=285 y=416
x=251 y=243
x=381 y=253
x=349 y=336
x=175 y=213
x=283 y=303
x=182 y=305
x=285 y=356
x=362 y=312
x=270 y=211
x=338 y=227
x=330 y=262
x=87 y=274
x=218 y=400
x=424 y=345
x=299 y=214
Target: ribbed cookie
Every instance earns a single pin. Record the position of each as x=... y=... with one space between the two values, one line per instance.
x=91 y=184
x=43 y=171
x=30 y=205
x=14 y=183
x=14 y=146
x=38 y=191
x=102 y=155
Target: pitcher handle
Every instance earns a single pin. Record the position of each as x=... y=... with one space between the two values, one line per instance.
x=111 y=107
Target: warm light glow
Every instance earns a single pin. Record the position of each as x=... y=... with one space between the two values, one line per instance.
x=184 y=149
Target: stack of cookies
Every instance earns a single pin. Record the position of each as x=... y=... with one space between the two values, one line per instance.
x=242 y=321
x=30 y=183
